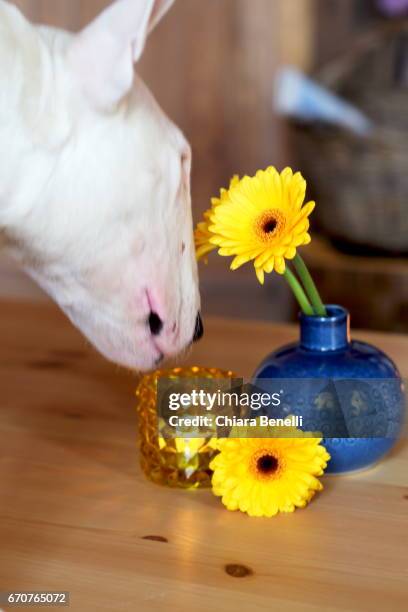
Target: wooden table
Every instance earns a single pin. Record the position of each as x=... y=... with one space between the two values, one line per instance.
x=76 y=513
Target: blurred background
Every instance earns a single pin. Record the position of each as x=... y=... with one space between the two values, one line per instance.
x=220 y=69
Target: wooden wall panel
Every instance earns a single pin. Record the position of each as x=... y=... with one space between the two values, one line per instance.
x=297 y=32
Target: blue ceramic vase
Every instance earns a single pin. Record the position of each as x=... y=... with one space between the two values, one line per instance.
x=346 y=389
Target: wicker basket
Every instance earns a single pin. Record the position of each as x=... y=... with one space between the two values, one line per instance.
x=362 y=184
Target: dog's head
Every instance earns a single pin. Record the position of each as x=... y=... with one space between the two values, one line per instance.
x=110 y=235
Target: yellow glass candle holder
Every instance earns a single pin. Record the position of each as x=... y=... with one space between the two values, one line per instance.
x=176 y=462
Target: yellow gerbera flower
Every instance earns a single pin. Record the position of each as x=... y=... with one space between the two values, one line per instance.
x=202 y=237
x=261 y=218
x=264 y=476
x=202 y=234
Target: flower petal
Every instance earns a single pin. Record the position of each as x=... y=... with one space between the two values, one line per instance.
x=280 y=265
x=260 y=275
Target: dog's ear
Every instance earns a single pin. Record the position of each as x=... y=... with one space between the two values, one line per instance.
x=102 y=55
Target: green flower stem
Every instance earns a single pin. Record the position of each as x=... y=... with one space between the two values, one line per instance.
x=300 y=295
x=310 y=286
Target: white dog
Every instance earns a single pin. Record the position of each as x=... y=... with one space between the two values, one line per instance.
x=95 y=182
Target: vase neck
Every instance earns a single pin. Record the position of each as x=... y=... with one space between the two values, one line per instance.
x=331 y=333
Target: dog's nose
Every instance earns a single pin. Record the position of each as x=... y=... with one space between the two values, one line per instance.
x=199 y=329
x=155 y=324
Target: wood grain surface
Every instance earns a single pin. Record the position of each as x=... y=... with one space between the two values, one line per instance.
x=76 y=513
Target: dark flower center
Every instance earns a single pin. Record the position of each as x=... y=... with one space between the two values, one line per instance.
x=267 y=464
x=269 y=226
